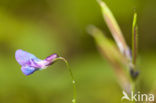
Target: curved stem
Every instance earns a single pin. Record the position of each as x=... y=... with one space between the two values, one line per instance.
x=73 y=80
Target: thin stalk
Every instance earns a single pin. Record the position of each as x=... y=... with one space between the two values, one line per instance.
x=134 y=48
x=134 y=39
x=133 y=89
x=72 y=77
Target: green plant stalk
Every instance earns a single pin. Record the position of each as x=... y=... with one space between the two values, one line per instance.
x=134 y=39
x=134 y=48
x=133 y=88
x=72 y=77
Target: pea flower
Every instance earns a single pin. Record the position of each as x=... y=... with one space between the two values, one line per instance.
x=30 y=63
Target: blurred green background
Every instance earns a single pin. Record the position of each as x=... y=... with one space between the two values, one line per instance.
x=43 y=27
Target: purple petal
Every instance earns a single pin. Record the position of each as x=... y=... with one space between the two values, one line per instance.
x=30 y=63
x=24 y=57
x=27 y=70
x=49 y=59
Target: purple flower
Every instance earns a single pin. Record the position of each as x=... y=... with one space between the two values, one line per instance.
x=30 y=63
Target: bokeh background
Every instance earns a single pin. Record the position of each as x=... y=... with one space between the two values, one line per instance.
x=43 y=27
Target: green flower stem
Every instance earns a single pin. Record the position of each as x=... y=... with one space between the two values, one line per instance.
x=73 y=80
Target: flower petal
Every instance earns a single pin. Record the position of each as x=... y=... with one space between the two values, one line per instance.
x=51 y=57
x=27 y=70
x=23 y=57
x=49 y=60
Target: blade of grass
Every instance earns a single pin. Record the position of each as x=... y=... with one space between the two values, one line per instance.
x=106 y=44
x=109 y=50
x=114 y=28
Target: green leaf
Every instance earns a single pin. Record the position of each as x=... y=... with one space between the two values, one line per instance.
x=114 y=28
x=109 y=50
x=107 y=46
